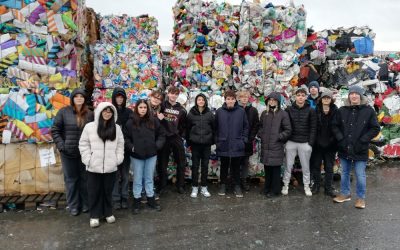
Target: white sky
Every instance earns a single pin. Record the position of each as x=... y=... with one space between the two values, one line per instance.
x=380 y=15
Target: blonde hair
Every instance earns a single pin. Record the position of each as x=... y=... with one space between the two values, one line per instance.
x=243 y=93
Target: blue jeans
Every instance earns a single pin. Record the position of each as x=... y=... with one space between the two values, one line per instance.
x=359 y=167
x=143 y=171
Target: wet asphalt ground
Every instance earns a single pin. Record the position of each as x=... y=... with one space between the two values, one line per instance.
x=252 y=222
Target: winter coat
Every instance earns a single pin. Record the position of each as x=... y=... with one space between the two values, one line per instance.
x=97 y=155
x=232 y=131
x=254 y=121
x=312 y=101
x=200 y=126
x=275 y=129
x=144 y=141
x=354 y=127
x=123 y=112
x=175 y=119
x=65 y=130
x=304 y=123
x=325 y=138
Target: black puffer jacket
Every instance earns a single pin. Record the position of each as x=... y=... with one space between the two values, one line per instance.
x=65 y=130
x=325 y=137
x=254 y=122
x=123 y=112
x=304 y=123
x=232 y=131
x=275 y=129
x=144 y=140
x=354 y=127
x=200 y=126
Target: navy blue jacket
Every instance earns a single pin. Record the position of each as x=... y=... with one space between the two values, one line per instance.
x=232 y=131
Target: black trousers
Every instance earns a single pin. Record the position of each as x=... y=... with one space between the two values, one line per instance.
x=122 y=178
x=200 y=153
x=272 y=179
x=75 y=179
x=174 y=144
x=318 y=156
x=100 y=188
x=234 y=164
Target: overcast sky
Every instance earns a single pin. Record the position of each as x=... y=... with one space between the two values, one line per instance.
x=380 y=15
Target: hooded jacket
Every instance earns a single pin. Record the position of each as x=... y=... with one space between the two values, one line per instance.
x=144 y=141
x=65 y=130
x=304 y=123
x=325 y=139
x=275 y=130
x=354 y=127
x=232 y=131
x=254 y=122
x=97 y=155
x=123 y=112
x=200 y=126
x=174 y=121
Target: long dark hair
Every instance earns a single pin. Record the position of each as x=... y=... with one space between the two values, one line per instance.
x=81 y=113
x=107 y=129
x=147 y=118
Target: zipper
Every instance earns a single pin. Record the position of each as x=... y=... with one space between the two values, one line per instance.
x=104 y=155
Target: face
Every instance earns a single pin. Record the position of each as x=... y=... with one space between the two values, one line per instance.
x=355 y=99
x=142 y=109
x=273 y=102
x=200 y=102
x=107 y=114
x=230 y=101
x=79 y=99
x=300 y=98
x=313 y=91
x=244 y=100
x=119 y=100
x=155 y=100
x=172 y=97
x=326 y=100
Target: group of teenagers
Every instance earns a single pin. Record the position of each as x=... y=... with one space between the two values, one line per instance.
x=99 y=148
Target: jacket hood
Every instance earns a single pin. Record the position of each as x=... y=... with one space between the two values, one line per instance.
x=276 y=96
x=364 y=101
x=195 y=109
x=75 y=92
x=118 y=91
x=101 y=107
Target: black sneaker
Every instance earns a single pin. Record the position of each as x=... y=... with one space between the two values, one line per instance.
x=74 y=212
x=117 y=205
x=222 y=189
x=181 y=190
x=238 y=192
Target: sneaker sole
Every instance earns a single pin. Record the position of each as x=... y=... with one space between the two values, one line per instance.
x=348 y=199
x=192 y=196
x=358 y=207
x=221 y=194
x=239 y=196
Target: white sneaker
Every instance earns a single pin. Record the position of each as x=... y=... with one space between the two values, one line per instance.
x=195 y=191
x=94 y=223
x=110 y=219
x=307 y=191
x=205 y=192
x=285 y=190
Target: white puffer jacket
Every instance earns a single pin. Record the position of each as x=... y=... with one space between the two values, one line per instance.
x=98 y=156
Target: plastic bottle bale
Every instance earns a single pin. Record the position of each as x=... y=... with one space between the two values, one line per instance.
x=41 y=173
x=2 y=164
x=11 y=170
x=56 y=177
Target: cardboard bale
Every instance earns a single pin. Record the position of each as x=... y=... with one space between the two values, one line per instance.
x=41 y=173
x=2 y=164
x=11 y=169
x=27 y=182
x=12 y=158
x=28 y=156
x=56 y=176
